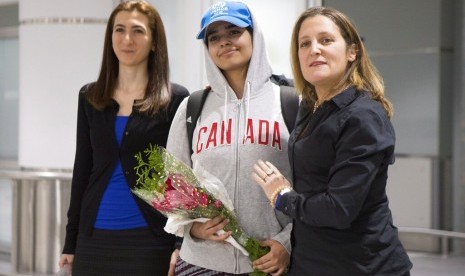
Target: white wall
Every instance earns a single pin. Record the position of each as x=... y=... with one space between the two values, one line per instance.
x=56 y=59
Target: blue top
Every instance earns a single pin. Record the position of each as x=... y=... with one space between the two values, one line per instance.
x=118 y=209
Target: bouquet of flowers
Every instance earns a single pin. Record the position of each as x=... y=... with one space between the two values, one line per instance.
x=172 y=188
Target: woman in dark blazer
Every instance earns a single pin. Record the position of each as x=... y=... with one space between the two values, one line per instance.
x=131 y=105
x=340 y=152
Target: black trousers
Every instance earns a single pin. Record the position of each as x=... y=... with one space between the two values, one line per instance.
x=133 y=252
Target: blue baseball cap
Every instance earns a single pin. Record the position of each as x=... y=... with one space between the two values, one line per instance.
x=235 y=13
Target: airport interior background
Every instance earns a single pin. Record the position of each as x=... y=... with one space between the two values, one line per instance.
x=50 y=48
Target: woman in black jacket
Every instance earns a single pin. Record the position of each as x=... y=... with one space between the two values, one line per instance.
x=131 y=105
x=339 y=151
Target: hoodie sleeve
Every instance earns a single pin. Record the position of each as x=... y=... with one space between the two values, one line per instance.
x=284 y=237
x=178 y=144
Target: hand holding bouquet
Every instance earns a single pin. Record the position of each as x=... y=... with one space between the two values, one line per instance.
x=172 y=188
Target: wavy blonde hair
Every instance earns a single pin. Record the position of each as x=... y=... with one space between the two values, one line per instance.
x=360 y=73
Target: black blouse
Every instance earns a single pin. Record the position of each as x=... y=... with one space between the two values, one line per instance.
x=342 y=222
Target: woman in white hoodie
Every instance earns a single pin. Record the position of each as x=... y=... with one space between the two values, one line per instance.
x=241 y=121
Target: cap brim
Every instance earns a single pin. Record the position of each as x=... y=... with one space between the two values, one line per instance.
x=236 y=21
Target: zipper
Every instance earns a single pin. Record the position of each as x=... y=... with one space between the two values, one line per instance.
x=236 y=154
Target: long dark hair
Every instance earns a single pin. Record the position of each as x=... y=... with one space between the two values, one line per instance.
x=157 y=93
x=360 y=73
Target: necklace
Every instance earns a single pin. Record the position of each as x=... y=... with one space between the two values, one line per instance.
x=315 y=107
x=327 y=97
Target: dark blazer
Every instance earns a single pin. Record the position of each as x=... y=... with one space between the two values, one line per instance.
x=97 y=153
x=342 y=222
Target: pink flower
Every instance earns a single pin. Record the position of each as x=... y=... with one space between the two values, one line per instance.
x=168 y=184
x=179 y=196
x=218 y=204
x=203 y=199
x=162 y=205
x=189 y=191
x=180 y=200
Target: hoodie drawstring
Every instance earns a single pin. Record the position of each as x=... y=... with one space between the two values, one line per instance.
x=225 y=114
x=247 y=102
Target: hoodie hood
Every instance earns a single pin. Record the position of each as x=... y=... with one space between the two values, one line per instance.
x=258 y=74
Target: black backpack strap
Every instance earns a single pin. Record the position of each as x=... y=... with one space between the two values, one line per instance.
x=281 y=80
x=289 y=106
x=289 y=100
x=194 y=107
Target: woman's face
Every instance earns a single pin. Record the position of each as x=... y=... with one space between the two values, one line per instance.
x=229 y=46
x=132 y=38
x=323 y=53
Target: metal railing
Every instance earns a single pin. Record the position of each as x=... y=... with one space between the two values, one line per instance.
x=443 y=235
x=34 y=175
x=40 y=200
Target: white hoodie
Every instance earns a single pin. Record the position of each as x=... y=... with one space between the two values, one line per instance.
x=230 y=136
